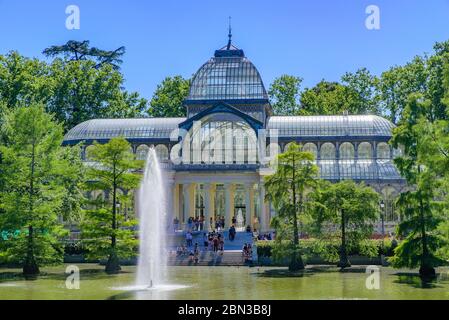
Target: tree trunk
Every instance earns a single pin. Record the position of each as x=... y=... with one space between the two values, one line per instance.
x=30 y=267
x=344 y=261
x=113 y=265
x=296 y=262
x=426 y=269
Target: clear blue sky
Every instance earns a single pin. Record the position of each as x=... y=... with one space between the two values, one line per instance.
x=312 y=39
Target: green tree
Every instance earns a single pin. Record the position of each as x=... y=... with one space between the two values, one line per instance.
x=329 y=98
x=167 y=100
x=365 y=87
x=437 y=82
x=422 y=205
x=295 y=176
x=108 y=234
x=22 y=80
x=423 y=75
x=81 y=92
x=34 y=169
x=353 y=207
x=73 y=90
x=398 y=83
x=81 y=50
x=284 y=95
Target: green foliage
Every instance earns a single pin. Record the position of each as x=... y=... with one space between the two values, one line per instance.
x=364 y=87
x=73 y=199
x=81 y=92
x=73 y=90
x=329 y=249
x=97 y=231
x=81 y=50
x=106 y=232
x=295 y=177
x=284 y=95
x=22 y=80
x=168 y=98
x=358 y=202
x=350 y=206
x=423 y=75
x=422 y=205
x=398 y=83
x=36 y=172
x=328 y=98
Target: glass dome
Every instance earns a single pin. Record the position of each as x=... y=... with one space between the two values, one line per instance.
x=229 y=75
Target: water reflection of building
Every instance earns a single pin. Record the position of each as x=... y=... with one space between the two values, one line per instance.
x=217 y=168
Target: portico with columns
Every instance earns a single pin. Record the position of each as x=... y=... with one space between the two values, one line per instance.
x=218 y=194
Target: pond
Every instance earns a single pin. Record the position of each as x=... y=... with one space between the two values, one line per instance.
x=231 y=283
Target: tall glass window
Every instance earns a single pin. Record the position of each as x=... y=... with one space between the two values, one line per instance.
x=312 y=148
x=347 y=151
x=220 y=138
x=327 y=151
x=142 y=152
x=161 y=152
x=365 y=151
x=383 y=150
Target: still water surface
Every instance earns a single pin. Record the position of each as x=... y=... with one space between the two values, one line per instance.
x=232 y=283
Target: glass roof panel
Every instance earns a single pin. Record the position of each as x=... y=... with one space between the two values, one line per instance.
x=330 y=126
x=128 y=128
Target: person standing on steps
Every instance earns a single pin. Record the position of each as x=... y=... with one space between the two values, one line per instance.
x=196 y=253
x=205 y=240
x=221 y=244
x=189 y=239
x=232 y=233
x=216 y=242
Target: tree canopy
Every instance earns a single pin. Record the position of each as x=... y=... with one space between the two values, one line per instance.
x=73 y=90
x=284 y=95
x=295 y=176
x=167 y=100
x=107 y=233
x=80 y=50
x=351 y=206
x=38 y=180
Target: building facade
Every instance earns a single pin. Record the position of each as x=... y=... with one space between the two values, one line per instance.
x=215 y=159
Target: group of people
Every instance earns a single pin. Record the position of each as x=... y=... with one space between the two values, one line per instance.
x=219 y=223
x=195 y=223
x=213 y=241
x=198 y=223
x=265 y=236
x=193 y=253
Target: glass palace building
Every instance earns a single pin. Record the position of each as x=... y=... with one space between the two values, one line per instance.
x=215 y=159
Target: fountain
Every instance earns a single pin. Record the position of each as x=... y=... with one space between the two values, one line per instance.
x=152 y=211
x=240 y=221
x=152 y=277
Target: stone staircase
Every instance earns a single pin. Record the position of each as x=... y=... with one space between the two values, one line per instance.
x=210 y=258
x=232 y=255
x=240 y=239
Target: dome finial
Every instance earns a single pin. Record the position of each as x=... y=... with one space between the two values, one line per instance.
x=229 y=34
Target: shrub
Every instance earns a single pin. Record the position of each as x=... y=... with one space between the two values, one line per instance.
x=329 y=249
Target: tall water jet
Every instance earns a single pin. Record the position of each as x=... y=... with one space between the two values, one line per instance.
x=151 y=269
